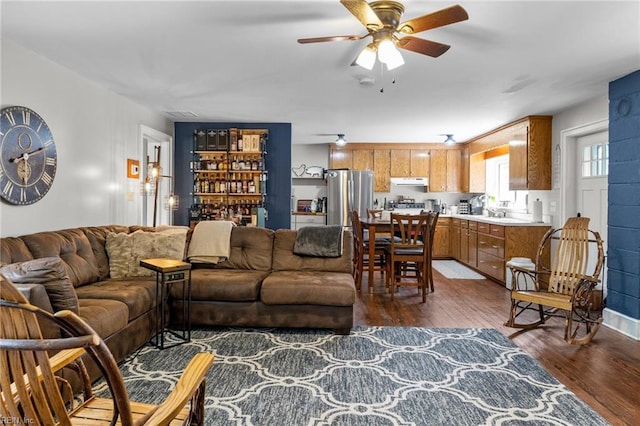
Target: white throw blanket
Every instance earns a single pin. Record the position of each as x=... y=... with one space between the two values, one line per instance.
x=210 y=242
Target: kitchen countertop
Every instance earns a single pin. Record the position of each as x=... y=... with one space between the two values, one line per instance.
x=505 y=221
x=309 y=213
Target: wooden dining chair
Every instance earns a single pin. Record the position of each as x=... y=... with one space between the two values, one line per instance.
x=564 y=287
x=35 y=393
x=432 y=222
x=358 y=248
x=410 y=253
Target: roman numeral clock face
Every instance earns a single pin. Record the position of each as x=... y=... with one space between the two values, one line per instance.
x=28 y=157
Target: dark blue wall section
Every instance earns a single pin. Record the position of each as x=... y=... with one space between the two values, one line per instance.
x=623 y=253
x=277 y=162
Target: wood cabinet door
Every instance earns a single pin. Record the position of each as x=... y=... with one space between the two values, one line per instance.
x=420 y=163
x=438 y=171
x=518 y=162
x=362 y=159
x=473 y=248
x=454 y=241
x=539 y=148
x=464 y=170
x=341 y=159
x=454 y=169
x=441 y=240
x=464 y=245
x=477 y=173
x=400 y=163
x=381 y=170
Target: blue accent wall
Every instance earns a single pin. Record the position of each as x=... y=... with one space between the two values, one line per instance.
x=277 y=162
x=623 y=256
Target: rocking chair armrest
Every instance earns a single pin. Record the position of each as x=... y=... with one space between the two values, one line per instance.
x=186 y=387
x=64 y=358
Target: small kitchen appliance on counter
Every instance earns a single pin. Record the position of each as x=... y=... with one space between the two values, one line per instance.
x=477 y=204
x=463 y=207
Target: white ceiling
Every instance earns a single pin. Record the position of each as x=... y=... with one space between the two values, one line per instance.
x=239 y=61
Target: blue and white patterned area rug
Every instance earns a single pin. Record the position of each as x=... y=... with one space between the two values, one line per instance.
x=375 y=376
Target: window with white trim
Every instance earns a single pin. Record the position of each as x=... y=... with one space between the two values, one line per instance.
x=595 y=160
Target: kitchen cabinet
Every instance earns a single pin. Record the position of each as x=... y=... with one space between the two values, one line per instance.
x=441 y=238
x=528 y=143
x=464 y=241
x=445 y=170
x=477 y=173
x=381 y=170
x=420 y=160
x=530 y=154
x=400 y=163
x=341 y=158
x=472 y=244
x=362 y=159
x=454 y=238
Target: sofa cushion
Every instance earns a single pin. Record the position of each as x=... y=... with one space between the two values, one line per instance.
x=138 y=293
x=231 y=285
x=105 y=316
x=251 y=248
x=284 y=258
x=308 y=288
x=126 y=250
x=13 y=250
x=72 y=246
x=51 y=274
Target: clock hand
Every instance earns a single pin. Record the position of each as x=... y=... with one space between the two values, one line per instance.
x=25 y=156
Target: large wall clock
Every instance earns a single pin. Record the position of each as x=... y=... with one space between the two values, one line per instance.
x=28 y=158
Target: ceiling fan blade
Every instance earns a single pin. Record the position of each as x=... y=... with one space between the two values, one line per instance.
x=420 y=45
x=363 y=12
x=331 y=38
x=443 y=17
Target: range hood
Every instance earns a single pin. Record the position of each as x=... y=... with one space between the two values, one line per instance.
x=410 y=181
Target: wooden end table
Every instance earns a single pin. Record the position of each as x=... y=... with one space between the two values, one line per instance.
x=170 y=272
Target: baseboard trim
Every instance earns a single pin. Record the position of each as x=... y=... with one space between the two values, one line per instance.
x=622 y=323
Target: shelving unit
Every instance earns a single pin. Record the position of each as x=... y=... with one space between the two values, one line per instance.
x=229 y=175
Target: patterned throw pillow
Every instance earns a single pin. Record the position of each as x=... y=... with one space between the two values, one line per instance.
x=126 y=250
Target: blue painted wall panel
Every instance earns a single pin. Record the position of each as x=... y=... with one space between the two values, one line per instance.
x=624 y=209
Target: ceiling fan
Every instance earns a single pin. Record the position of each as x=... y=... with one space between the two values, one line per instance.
x=382 y=21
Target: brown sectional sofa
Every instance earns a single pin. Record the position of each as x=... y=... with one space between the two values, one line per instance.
x=262 y=284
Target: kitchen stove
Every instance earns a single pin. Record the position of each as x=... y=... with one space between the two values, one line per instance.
x=404 y=205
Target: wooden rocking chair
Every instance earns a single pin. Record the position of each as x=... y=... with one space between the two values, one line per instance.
x=565 y=288
x=33 y=394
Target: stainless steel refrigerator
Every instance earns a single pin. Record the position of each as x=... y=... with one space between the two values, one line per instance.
x=348 y=190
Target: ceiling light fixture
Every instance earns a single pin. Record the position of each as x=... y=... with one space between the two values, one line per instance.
x=389 y=55
x=341 y=141
x=449 y=140
x=367 y=58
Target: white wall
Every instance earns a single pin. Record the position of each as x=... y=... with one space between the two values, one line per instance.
x=309 y=155
x=95 y=131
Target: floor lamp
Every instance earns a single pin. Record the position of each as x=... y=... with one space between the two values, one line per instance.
x=151 y=184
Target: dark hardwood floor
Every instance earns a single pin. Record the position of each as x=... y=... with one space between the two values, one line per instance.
x=605 y=373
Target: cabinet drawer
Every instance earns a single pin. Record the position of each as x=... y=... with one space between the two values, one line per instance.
x=473 y=225
x=497 y=231
x=491 y=245
x=455 y=222
x=491 y=265
x=464 y=223
x=485 y=228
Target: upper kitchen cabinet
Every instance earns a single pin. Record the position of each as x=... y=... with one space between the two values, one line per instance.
x=400 y=163
x=381 y=170
x=341 y=158
x=445 y=170
x=528 y=142
x=530 y=154
x=420 y=162
x=362 y=159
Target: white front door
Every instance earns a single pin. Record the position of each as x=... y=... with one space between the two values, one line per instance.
x=592 y=171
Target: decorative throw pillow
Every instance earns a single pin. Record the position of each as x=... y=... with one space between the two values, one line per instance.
x=126 y=250
x=50 y=273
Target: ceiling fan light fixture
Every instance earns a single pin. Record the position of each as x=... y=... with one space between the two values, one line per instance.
x=449 y=140
x=388 y=54
x=341 y=141
x=367 y=57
